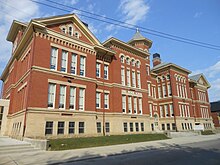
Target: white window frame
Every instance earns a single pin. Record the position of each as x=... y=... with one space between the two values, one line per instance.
x=124 y=103
x=129 y=104
x=98 y=70
x=53 y=58
x=52 y=95
x=64 y=61
x=98 y=100
x=149 y=89
x=72 y=98
x=73 y=64
x=83 y=99
x=138 y=80
x=171 y=110
x=82 y=66
x=135 y=105
x=106 y=100
x=62 y=87
x=151 y=110
x=123 y=76
x=128 y=77
x=133 y=75
x=106 y=72
x=140 y=105
x=161 y=111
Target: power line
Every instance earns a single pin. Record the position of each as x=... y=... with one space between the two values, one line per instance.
x=120 y=25
x=140 y=27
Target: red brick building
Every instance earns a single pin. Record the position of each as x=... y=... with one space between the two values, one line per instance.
x=215 y=111
x=62 y=82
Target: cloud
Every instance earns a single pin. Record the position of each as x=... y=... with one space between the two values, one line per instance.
x=197 y=15
x=134 y=10
x=214 y=91
x=13 y=10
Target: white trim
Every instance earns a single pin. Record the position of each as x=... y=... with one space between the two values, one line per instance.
x=19 y=89
x=66 y=83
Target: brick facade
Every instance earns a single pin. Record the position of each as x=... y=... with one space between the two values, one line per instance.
x=155 y=99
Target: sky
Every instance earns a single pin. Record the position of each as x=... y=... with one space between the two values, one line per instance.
x=195 y=20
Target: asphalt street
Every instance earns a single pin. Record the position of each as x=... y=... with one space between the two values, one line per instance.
x=200 y=153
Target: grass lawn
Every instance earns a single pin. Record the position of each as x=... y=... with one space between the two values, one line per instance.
x=73 y=143
x=207 y=132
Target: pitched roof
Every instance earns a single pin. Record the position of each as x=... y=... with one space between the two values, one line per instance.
x=165 y=64
x=215 y=106
x=138 y=36
x=196 y=77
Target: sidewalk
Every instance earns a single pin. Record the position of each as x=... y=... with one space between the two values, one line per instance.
x=53 y=157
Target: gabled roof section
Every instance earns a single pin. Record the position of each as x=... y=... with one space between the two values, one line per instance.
x=200 y=79
x=70 y=17
x=124 y=45
x=215 y=106
x=165 y=65
x=15 y=27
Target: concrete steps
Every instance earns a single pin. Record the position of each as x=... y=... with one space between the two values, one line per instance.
x=10 y=146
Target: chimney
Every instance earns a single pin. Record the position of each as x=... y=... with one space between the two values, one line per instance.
x=156 y=59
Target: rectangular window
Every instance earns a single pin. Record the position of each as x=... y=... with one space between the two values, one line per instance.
x=53 y=58
x=168 y=126
x=171 y=110
x=81 y=127
x=49 y=128
x=72 y=98
x=99 y=127
x=159 y=92
x=106 y=72
x=129 y=105
x=166 y=111
x=82 y=65
x=133 y=79
x=125 y=127
x=182 y=126
x=81 y=99
x=71 y=127
x=51 y=95
x=128 y=78
x=177 y=89
x=74 y=64
x=140 y=105
x=98 y=94
x=122 y=76
x=163 y=126
x=137 y=127
x=142 y=127
x=138 y=80
x=151 y=110
x=64 y=61
x=131 y=127
x=135 y=105
x=164 y=91
x=149 y=89
x=161 y=111
x=60 y=128
x=98 y=70
x=107 y=127
x=169 y=90
x=62 y=96
x=106 y=100
x=123 y=104
x=148 y=70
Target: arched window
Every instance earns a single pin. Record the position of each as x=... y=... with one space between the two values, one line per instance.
x=64 y=30
x=70 y=30
x=122 y=59
x=132 y=62
x=128 y=61
x=138 y=64
x=76 y=34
